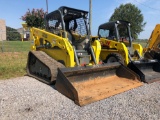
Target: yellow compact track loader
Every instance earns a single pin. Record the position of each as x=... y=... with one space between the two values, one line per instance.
x=64 y=54
x=116 y=42
x=152 y=49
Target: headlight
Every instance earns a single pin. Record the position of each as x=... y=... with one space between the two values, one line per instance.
x=86 y=15
x=117 y=22
x=65 y=11
x=82 y=13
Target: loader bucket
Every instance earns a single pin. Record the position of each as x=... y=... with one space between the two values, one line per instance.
x=148 y=71
x=88 y=84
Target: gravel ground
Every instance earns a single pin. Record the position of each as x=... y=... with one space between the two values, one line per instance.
x=26 y=98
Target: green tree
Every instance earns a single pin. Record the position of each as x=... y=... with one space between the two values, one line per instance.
x=131 y=13
x=34 y=18
x=12 y=34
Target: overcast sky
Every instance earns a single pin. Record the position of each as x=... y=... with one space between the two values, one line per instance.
x=12 y=10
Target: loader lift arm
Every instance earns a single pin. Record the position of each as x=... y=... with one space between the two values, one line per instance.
x=154 y=40
x=152 y=47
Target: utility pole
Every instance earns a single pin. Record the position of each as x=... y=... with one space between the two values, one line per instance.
x=47 y=5
x=90 y=16
x=90 y=26
x=46 y=14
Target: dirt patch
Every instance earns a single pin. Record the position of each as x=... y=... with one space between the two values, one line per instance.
x=100 y=88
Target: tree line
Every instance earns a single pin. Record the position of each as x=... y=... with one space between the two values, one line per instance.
x=12 y=34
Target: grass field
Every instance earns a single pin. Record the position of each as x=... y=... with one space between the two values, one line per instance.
x=13 y=58
x=143 y=43
x=18 y=46
x=14 y=46
x=12 y=64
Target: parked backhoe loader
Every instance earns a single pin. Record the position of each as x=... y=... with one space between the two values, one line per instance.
x=117 y=45
x=63 y=54
x=152 y=48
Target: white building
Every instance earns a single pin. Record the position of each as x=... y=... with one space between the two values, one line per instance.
x=2 y=30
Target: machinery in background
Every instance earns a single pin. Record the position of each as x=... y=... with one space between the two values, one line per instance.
x=152 y=49
x=117 y=45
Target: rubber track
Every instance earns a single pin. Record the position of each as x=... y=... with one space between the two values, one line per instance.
x=49 y=62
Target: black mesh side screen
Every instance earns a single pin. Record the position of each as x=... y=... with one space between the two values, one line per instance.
x=79 y=26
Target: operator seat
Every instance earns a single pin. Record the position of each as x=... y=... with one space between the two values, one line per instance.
x=80 y=43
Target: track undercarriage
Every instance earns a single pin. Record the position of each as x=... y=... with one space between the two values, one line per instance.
x=42 y=67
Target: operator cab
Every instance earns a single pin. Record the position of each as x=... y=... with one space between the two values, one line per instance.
x=119 y=31
x=69 y=23
x=72 y=24
x=116 y=30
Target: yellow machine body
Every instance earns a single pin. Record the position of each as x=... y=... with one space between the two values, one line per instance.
x=65 y=52
x=120 y=48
